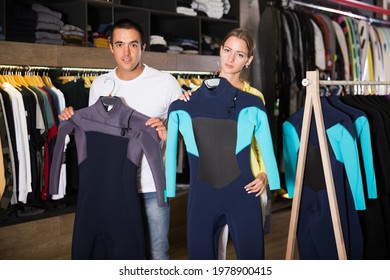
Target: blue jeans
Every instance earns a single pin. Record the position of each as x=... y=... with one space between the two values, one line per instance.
x=156 y=224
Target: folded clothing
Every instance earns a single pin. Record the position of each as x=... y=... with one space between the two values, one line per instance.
x=40 y=8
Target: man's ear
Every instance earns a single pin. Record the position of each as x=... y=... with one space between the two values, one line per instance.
x=143 y=47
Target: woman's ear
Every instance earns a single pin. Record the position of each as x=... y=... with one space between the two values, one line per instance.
x=248 y=62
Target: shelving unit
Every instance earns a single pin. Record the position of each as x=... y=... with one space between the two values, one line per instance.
x=155 y=17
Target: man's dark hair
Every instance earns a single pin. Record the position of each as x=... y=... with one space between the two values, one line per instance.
x=127 y=24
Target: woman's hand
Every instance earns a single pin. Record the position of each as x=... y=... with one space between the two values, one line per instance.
x=66 y=114
x=186 y=96
x=160 y=127
x=257 y=185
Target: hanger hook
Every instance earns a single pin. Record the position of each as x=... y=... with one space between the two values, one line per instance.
x=113 y=81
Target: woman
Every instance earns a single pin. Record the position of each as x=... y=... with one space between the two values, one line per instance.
x=236 y=54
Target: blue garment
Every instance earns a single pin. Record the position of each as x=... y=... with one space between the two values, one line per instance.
x=315 y=231
x=363 y=136
x=218 y=125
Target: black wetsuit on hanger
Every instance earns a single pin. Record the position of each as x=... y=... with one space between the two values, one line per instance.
x=108 y=223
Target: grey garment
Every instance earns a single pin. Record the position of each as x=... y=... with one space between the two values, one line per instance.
x=47 y=35
x=69 y=27
x=74 y=33
x=40 y=8
x=47 y=26
x=290 y=61
x=120 y=124
x=44 y=17
x=8 y=158
x=298 y=52
x=332 y=42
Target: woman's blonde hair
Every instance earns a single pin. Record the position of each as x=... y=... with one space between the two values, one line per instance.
x=245 y=35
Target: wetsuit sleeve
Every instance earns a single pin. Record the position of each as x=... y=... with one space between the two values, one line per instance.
x=363 y=126
x=290 y=154
x=263 y=137
x=345 y=149
x=152 y=150
x=65 y=128
x=171 y=154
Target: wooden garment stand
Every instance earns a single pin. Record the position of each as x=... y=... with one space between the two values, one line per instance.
x=313 y=102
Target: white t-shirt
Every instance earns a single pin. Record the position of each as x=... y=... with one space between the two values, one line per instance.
x=150 y=93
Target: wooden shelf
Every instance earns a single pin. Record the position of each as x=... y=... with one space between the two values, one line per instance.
x=15 y=53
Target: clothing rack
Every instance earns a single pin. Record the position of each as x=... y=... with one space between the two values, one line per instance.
x=313 y=102
x=361 y=6
x=28 y=68
x=68 y=70
x=352 y=4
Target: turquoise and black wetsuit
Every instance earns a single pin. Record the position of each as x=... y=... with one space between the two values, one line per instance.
x=218 y=125
x=315 y=231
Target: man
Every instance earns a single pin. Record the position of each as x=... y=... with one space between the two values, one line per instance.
x=150 y=92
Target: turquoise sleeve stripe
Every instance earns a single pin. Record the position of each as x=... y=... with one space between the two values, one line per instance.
x=171 y=154
x=245 y=129
x=177 y=121
x=259 y=122
x=291 y=145
x=368 y=162
x=345 y=148
x=335 y=135
x=359 y=125
x=186 y=129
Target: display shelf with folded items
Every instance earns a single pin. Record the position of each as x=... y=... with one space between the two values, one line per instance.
x=87 y=22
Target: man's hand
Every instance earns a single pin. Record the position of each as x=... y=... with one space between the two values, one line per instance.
x=66 y=114
x=160 y=127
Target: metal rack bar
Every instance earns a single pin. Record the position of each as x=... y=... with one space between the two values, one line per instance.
x=362 y=6
x=340 y=12
x=88 y=69
x=306 y=82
